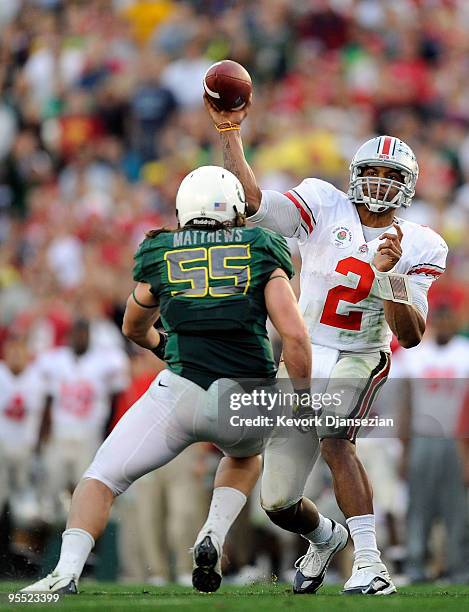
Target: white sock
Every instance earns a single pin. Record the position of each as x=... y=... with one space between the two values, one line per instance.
x=227 y=503
x=322 y=533
x=363 y=532
x=76 y=546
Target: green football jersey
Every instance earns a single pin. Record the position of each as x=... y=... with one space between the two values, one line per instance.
x=210 y=285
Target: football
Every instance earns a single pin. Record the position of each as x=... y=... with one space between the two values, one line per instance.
x=228 y=85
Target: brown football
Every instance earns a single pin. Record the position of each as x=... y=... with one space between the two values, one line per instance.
x=228 y=85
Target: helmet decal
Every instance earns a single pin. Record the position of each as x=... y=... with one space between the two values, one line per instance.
x=386 y=146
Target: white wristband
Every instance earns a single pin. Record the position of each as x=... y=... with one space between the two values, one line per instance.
x=392 y=286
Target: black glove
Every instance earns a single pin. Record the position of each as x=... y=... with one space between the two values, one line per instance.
x=160 y=349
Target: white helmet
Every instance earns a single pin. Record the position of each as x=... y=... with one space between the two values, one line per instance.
x=383 y=151
x=209 y=192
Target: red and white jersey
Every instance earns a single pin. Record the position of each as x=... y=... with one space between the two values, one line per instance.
x=81 y=387
x=439 y=376
x=339 y=300
x=22 y=399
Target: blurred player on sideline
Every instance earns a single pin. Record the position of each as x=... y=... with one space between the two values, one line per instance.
x=82 y=383
x=214 y=283
x=437 y=374
x=365 y=273
x=22 y=403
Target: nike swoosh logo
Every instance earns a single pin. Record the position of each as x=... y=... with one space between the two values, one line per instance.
x=160 y=384
x=359 y=567
x=53 y=585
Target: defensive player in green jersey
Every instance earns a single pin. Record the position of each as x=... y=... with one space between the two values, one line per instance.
x=210 y=286
x=213 y=282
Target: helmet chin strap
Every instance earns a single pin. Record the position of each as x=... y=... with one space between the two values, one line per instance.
x=376 y=207
x=381 y=208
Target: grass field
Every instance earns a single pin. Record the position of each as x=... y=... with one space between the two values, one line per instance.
x=258 y=598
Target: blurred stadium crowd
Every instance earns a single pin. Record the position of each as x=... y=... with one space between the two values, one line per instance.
x=101 y=116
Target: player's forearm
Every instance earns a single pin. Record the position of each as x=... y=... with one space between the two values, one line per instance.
x=45 y=426
x=139 y=317
x=405 y=322
x=139 y=327
x=148 y=339
x=298 y=361
x=235 y=161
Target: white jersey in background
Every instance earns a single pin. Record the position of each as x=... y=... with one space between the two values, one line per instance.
x=438 y=382
x=81 y=387
x=22 y=398
x=338 y=300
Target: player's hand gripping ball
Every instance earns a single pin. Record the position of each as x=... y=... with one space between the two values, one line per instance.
x=228 y=85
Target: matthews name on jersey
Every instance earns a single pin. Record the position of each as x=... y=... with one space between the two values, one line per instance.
x=339 y=300
x=210 y=285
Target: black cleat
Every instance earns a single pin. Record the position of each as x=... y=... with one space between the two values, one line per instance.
x=206 y=575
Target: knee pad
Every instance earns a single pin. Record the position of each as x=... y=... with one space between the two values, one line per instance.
x=281 y=516
x=295 y=518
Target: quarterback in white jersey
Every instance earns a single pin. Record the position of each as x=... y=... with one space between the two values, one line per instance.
x=340 y=301
x=365 y=274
